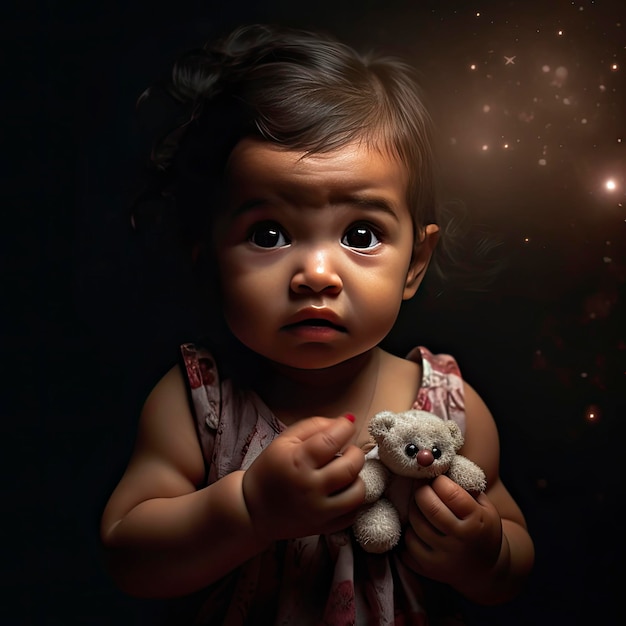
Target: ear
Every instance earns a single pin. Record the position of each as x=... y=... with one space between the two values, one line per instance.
x=457 y=435
x=381 y=424
x=422 y=253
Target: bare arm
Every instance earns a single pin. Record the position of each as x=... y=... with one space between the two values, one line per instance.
x=165 y=537
x=157 y=528
x=480 y=546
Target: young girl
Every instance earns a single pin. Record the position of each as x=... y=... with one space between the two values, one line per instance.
x=303 y=178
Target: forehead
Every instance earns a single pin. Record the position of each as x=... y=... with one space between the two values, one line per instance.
x=260 y=167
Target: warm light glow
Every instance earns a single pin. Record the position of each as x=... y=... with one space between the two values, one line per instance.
x=592 y=413
x=610 y=185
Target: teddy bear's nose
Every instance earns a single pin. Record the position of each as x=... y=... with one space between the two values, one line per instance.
x=425 y=458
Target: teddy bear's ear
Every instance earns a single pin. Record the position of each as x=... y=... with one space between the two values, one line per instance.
x=382 y=423
x=455 y=432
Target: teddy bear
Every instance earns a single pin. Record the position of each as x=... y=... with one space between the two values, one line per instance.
x=409 y=445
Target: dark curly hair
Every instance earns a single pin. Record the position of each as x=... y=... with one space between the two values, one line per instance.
x=301 y=90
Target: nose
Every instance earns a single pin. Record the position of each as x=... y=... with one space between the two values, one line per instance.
x=316 y=273
x=425 y=458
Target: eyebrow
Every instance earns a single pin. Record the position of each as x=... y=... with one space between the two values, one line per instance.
x=375 y=203
x=362 y=201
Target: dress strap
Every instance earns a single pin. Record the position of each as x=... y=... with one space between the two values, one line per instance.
x=441 y=390
x=203 y=388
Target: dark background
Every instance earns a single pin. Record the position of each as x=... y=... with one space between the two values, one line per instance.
x=528 y=138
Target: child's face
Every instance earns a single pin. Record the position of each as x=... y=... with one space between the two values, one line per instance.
x=315 y=252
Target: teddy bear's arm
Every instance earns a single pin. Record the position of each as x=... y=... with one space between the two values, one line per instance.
x=376 y=478
x=467 y=474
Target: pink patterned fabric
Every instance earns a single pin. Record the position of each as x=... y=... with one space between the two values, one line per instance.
x=323 y=579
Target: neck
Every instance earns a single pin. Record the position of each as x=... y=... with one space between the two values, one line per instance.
x=347 y=387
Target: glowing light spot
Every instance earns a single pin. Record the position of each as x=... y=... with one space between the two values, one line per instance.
x=614 y=67
x=584 y=375
x=485 y=147
x=559 y=33
x=545 y=69
x=592 y=413
x=477 y=13
x=505 y=146
x=610 y=185
x=486 y=108
x=526 y=239
x=473 y=66
x=607 y=259
x=542 y=162
x=567 y=101
x=602 y=88
x=583 y=121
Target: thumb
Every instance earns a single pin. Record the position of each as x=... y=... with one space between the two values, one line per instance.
x=324 y=445
x=307 y=428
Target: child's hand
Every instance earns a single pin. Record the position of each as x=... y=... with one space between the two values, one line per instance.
x=452 y=537
x=299 y=486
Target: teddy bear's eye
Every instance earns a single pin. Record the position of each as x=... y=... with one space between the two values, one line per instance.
x=436 y=452
x=411 y=450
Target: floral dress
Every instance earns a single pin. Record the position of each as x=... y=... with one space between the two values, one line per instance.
x=321 y=579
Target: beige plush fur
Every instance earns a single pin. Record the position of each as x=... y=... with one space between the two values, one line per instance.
x=410 y=445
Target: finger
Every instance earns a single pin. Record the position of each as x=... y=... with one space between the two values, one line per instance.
x=456 y=499
x=415 y=543
x=422 y=527
x=433 y=512
x=343 y=471
x=323 y=446
x=303 y=429
x=346 y=502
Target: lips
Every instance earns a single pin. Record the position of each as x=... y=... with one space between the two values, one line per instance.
x=314 y=318
x=316 y=323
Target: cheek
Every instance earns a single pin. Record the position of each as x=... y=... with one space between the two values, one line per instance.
x=244 y=294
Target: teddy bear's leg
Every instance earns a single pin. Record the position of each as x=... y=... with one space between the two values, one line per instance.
x=377 y=527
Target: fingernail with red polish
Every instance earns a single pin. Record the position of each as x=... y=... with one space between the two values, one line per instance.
x=350 y=417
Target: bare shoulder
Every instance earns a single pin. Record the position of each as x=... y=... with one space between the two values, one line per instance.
x=167 y=459
x=482 y=445
x=167 y=429
x=482 y=442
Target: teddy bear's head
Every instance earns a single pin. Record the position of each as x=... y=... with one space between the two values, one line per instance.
x=416 y=444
